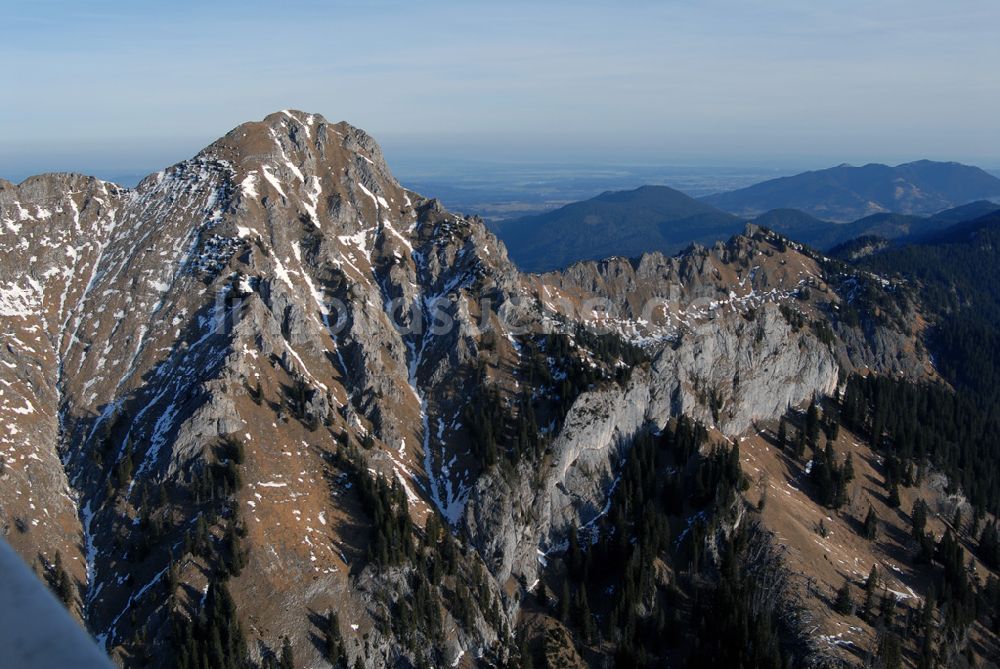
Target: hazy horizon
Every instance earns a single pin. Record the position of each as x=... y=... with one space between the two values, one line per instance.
x=713 y=84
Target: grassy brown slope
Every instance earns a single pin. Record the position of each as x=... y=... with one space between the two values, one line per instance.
x=820 y=565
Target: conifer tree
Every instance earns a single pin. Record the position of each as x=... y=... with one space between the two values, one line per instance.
x=812 y=424
x=287 y=657
x=887 y=606
x=574 y=559
x=582 y=616
x=564 y=603
x=989 y=545
x=977 y=521
x=172 y=578
x=542 y=594
x=62 y=585
x=211 y=637
x=890 y=651
x=918 y=518
x=871 y=525
x=871 y=586
x=527 y=661
x=334 y=641
x=926 y=660
x=893 y=501
x=843 y=604
x=800 y=444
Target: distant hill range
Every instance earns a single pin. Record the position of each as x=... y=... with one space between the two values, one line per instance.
x=847 y=193
x=825 y=235
x=657 y=218
x=615 y=223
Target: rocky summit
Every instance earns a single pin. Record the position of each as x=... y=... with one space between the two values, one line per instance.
x=271 y=404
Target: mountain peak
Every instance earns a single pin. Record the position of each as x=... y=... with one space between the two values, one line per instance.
x=295 y=143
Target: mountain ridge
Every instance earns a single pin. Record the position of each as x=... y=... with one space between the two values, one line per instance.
x=270 y=384
x=648 y=218
x=658 y=218
x=845 y=192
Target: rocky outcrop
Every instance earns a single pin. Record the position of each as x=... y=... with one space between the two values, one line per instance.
x=513 y=521
x=732 y=371
x=727 y=372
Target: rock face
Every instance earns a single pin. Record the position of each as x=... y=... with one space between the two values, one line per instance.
x=190 y=360
x=728 y=372
x=744 y=371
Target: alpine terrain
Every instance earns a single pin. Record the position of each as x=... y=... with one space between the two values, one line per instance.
x=270 y=408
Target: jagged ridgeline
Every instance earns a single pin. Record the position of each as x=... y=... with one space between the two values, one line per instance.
x=271 y=408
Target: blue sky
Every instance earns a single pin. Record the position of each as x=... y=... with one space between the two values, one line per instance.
x=108 y=86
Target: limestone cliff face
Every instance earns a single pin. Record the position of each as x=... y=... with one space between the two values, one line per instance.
x=736 y=338
x=732 y=371
x=514 y=521
x=281 y=290
x=727 y=372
